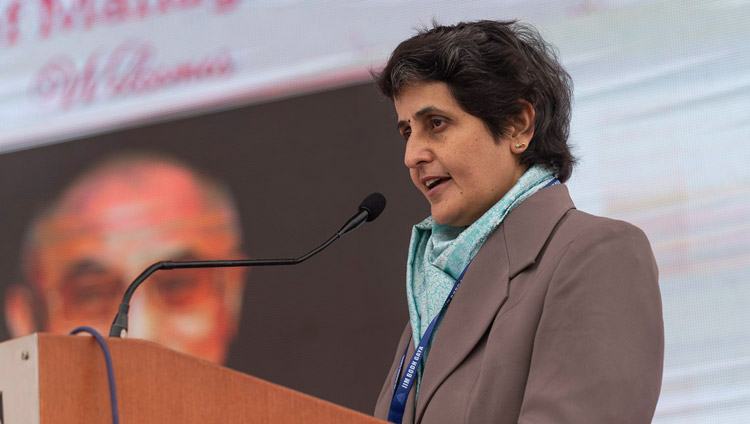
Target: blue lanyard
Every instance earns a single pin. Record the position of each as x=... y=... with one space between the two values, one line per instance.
x=401 y=391
x=553 y=182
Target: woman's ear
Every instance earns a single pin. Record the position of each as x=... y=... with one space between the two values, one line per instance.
x=522 y=127
x=19 y=311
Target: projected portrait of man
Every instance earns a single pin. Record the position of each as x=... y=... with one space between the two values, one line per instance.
x=106 y=227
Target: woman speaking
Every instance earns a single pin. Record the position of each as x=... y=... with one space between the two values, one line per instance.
x=521 y=308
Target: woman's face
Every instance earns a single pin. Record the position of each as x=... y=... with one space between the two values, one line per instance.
x=452 y=157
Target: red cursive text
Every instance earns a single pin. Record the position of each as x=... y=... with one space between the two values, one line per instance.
x=127 y=70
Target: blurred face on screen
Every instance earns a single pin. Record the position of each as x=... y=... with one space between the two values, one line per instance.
x=110 y=226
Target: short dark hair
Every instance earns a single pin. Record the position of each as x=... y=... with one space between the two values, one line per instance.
x=489 y=66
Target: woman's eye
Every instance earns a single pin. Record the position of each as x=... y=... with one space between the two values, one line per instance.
x=437 y=122
x=406 y=133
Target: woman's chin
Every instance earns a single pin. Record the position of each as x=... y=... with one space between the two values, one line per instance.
x=443 y=218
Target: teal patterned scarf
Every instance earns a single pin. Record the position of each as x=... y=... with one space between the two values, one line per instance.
x=439 y=253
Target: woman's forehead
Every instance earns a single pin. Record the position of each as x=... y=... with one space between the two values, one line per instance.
x=419 y=99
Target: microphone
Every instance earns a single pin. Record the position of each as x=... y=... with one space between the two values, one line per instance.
x=369 y=209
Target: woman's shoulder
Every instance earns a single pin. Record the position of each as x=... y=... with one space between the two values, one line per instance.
x=554 y=203
x=547 y=227
x=584 y=227
x=583 y=241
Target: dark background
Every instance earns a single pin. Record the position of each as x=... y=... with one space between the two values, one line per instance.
x=298 y=168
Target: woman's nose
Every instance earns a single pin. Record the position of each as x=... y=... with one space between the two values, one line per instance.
x=417 y=152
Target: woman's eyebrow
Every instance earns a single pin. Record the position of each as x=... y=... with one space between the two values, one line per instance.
x=421 y=112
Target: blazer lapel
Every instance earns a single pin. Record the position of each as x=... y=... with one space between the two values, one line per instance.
x=528 y=227
x=483 y=291
x=512 y=247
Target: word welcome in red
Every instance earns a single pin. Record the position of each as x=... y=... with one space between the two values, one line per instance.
x=129 y=69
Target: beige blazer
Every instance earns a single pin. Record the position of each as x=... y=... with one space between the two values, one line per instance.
x=558 y=320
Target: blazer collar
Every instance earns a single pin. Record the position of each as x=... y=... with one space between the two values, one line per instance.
x=528 y=227
x=511 y=248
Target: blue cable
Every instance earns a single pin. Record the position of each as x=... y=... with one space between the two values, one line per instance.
x=110 y=371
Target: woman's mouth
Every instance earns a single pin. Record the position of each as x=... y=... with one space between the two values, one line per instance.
x=434 y=182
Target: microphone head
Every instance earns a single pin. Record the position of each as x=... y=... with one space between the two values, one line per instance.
x=374 y=205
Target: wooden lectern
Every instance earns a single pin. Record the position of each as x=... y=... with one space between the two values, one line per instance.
x=59 y=379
